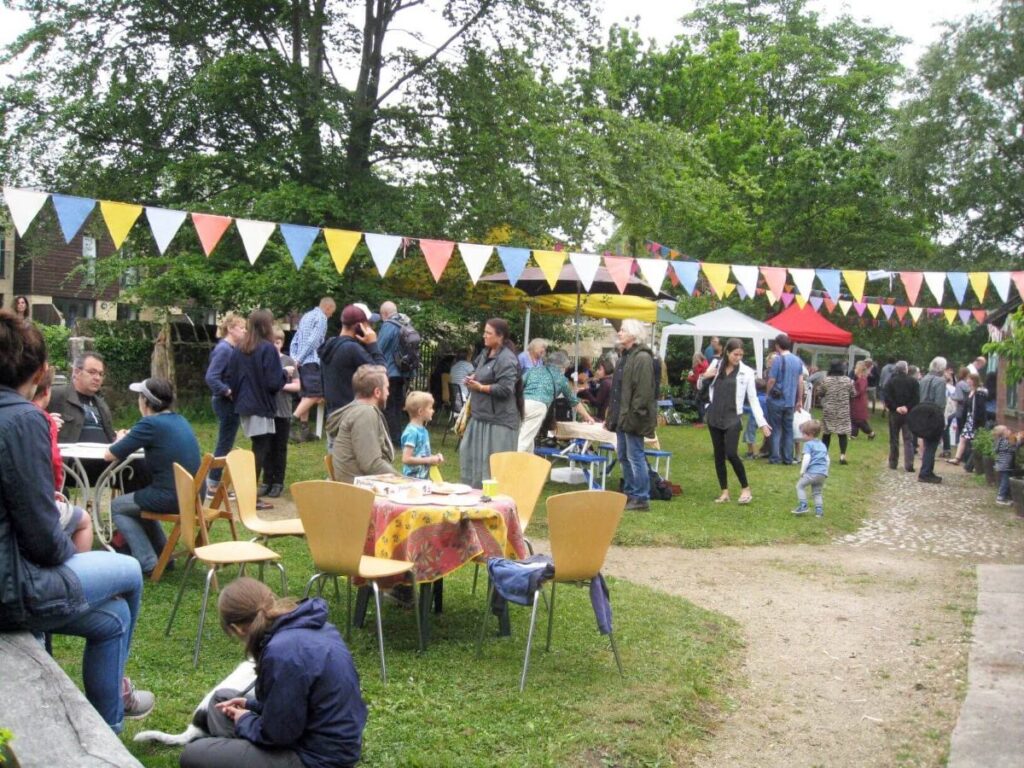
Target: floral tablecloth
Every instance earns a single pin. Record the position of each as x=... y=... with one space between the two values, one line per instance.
x=441 y=539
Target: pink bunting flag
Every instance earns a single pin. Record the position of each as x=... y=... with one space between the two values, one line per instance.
x=787 y=298
x=912 y=283
x=859 y=307
x=980 y=315
x=1018 y=280
x=620 y=268
x=901 y=312
x=437 y=254
x=775 y=277
x=210 y=229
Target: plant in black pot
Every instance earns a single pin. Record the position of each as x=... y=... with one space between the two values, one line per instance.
x=983 y=453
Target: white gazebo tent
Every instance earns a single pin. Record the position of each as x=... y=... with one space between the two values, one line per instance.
x=723 y=323
x=851 y=353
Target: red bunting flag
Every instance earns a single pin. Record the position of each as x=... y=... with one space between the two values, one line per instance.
x=210 y=229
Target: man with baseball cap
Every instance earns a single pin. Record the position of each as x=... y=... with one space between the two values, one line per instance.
x=356 y=345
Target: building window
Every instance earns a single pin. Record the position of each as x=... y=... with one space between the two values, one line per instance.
x=126 y=311
x=129 y=274
x=74 y=310
x=89 y=260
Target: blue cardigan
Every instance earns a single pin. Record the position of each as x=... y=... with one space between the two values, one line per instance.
x=256 y=379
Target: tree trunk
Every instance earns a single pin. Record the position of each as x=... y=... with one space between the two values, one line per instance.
x=364 y=101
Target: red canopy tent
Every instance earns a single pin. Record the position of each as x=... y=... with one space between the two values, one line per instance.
x=807 y=326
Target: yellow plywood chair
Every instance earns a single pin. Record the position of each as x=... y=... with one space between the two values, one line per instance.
x=581 y=526
x=336 y=517
x=522 y=476
x=213 y=556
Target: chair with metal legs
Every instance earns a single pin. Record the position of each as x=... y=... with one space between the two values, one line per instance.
x=580 y=526
x=213 y=556
x=336 y=517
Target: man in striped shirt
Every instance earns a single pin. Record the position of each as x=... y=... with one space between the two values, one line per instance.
x=307 y=339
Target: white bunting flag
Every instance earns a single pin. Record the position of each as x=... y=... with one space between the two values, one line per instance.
x=936 y=284
x=475 y=257
x=803 y=279
x=24 y=205
x=164 y=223
x=1001 y=282
x=254 y=236
x=383 y=249
x=653 y=271
x=746 y=276
x=586 y=265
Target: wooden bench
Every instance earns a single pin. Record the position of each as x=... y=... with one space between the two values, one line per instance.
x=52 y=722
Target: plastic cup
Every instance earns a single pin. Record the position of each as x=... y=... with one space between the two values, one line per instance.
x=490 y=488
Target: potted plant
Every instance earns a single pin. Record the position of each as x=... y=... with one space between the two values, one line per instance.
x=983 y=450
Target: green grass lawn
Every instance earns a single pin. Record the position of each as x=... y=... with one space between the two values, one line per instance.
x=447 y=707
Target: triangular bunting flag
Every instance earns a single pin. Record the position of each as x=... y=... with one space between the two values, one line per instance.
x=901 y=312
x=979 y=284
x=514 y=261
x=787 y=298
x=775 y=277
x=816 y=302
x=211 y=229
x=830 y=305
x=164 y=223
x=653 y=271
x=912 y=285
x=586 y=266
x=254 y=236
x=551 y=263
x=936 y=282
x=772 y=298
x=915 y=313
x=340 y=244
x=688 y=271
x=844 y=306
x=958 y=282
x=874 y=309
x=980 y=315
x=859 y=307
x=830 y=281
x=950 y=315
x=437 y=254
x=746 y=276
x=72 y=213
x=475 y=257
x=1018 y=280
x=119 y=218
x=620 y=268
x=800 y=300
x=383 y=249
x=717 y=275
x=24 y=205
x=729 y=288
x=855 y=279
x=887 y=310
x=299 y=239
x=965 y=316
x=803 y=279
x=741 y=291
x=1001 y=282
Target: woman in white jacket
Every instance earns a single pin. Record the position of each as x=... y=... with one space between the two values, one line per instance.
x=730 y=383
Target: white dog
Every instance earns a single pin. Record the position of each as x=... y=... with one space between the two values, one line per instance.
x=241 y=679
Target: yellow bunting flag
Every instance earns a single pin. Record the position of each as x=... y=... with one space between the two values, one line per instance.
x=874 y=309
x=801 y=300
x=729 y=289
x=915 y=313
x=845 y=305
x=772 y=298
x=340 y=244
x=855 y=279
x=550 y=263
x=120 y=218
x=950 y=315
x=717 y=275
x=979 y=282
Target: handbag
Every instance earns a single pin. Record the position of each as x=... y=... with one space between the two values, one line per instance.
x=463 y=421
x=800 y=417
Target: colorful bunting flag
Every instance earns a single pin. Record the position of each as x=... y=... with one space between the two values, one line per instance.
x=475 y=257
x=901 y=312
x=912 y=284
x=958 y=282
x=950 y=315
x=746 y=275
x=800 y=300
x=936 y=282
x=887 y=310
x=816 y=302
x=980 y=315
x=965 y=316
x=437 y=254
x=653 y=271
x=550 y=263
x=979 y=284
x=915 y=312
x=729 y=288
x=383 y=249
x=717 y=275
x=255 y=235
x=514 y=261
x=341 y=243
x=829 y=279
x=855 y=279
x=772 y=298
x=787 y=298
x=844 y=306
x=586 y=266
x=620 y=268
x=24 y=205
x=300 y=238
x=1018 y=280
x=830 y=305
x=741 y=291
x=119 y=218
x=874 y=309
x=72 y=213
x=688 y=271
x=775 y=278
x=803 y=279
x=211 y=229
x=859 y=307
x=1001 y=282
x=164 y=223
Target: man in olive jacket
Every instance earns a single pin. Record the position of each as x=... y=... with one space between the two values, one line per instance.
x=361 y=442
x=633 y=412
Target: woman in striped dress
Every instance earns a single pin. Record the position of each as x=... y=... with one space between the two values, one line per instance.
x=836 y=392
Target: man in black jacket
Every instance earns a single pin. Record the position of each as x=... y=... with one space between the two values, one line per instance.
x=341 y=356
x=900 y=394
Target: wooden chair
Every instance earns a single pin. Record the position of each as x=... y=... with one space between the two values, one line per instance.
x=218 y=509
x=581 y=525
x=336 y=517
x=329 y=464
x=212 y=556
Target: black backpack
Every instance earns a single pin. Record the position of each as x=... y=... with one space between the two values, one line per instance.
x=407 y=357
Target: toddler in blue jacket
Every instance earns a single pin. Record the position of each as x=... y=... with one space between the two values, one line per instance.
x=813 y=469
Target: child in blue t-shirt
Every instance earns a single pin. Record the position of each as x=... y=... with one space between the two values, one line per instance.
x=416 y=456
x=813 y=469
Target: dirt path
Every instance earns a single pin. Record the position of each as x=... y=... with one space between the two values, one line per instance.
x=856 y=652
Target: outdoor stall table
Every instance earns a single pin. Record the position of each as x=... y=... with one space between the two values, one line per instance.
x=73 y=454
x=439 y=535
x=583 y=438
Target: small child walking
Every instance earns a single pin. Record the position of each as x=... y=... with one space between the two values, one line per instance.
x=1006 y=449
x=813 y=469
x=416 y=456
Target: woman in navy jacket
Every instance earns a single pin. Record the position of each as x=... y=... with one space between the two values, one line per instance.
x=307 y=711
x=45 y=586
x=256 y=377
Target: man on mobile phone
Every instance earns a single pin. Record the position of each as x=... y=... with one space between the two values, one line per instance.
x=341 y=356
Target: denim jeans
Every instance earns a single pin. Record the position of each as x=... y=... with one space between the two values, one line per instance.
x=816 y=483
x=636 y=483
x=928 y=458
x=146 y=538
x=1004 y=485
x=780 y=419
x=112 y=586
x=227 y=430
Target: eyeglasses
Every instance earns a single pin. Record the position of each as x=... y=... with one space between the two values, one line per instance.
x=93 y=372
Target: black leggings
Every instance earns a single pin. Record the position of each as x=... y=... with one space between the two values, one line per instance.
x=861 y=426
x=827 y=440
x=725 y=443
